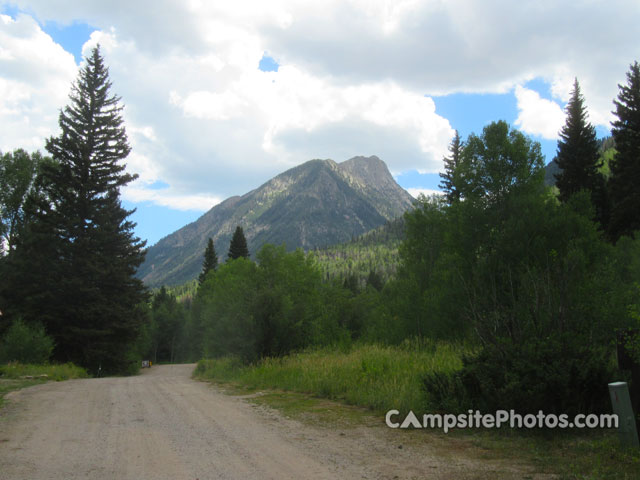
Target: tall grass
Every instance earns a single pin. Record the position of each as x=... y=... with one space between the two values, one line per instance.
x=373 y=376
x=65 y=371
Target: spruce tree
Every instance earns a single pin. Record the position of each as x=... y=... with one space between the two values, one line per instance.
x=449 y=183
x=210 y=261
x=624 y=184
x=78 y=256
x=238 y=246
x=578 y=157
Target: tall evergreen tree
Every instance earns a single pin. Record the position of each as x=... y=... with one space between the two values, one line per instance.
x=578 y=156
x=238 y=246
x=210 y=261
x=624 y=184
x=449 y=183
x=77 y=259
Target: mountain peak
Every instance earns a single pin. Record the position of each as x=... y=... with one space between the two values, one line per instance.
x=317 y=203
x=369 y=170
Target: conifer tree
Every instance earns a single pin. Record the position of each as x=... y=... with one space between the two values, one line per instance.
x=78 y=257
x=238 y=246
x=449 y=183
x=624 y=184
x=578 y=157
x=210 y=261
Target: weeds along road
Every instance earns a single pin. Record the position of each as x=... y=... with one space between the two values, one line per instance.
x=164 y=425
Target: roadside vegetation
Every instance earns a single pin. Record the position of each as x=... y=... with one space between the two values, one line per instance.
x=15 y=375
x=378 y=377
x=58 y=373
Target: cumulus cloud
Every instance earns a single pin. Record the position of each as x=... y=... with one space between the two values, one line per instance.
x=352 y=79
x=537 y=115
x=35 y=77
x=177 y=201
x=427 y=192
x=224 y=126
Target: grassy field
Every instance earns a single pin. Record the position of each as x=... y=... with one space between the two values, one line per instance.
x=372 y=376
x=15 y=376
x=382 y=378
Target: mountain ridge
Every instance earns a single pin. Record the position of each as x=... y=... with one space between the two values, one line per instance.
x=317 y=203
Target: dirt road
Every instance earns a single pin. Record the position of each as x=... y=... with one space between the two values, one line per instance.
x=164 y=425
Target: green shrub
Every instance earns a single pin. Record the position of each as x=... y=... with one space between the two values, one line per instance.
x=556 y=375
x=26 y=344
x=446 y=392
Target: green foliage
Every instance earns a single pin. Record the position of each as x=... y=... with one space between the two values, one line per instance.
x=450 y=183
x=354 y=261
x=271 y=308
x=413 y=293
x=500 y=162
x=57 y=372
x=531 y=280
x=579 y=159
x=74 y=264
x=166 y=328
x=607 y=152
x=210 y=262
x=226 y=310
x=554 y=374
x=578 y=156
x=625 y=166
x=25 y=344
x=238 y=246
x=373 y=376
x=184 y=293
x=19 y=180
x=374 y=280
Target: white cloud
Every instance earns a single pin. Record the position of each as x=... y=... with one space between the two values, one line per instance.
x=427 y=192
x=177 y=201
x=538 y=116
x=35 y=76
x=352 y=77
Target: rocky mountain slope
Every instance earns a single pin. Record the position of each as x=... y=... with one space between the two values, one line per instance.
x=315 y=204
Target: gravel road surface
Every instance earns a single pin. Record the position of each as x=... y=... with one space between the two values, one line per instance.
x=164 y=425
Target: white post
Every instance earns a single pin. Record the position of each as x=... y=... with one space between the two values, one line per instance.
x=621 y=402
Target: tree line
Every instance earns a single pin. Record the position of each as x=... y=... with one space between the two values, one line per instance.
x=543 y=282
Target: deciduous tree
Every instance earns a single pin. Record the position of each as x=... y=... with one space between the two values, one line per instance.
x=19 y=173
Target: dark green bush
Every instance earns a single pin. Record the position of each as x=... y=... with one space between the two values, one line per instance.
x=557 y=375
x=25 y=344
x=445 y=392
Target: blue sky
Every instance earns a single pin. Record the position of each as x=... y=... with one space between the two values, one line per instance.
x=218 y=100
